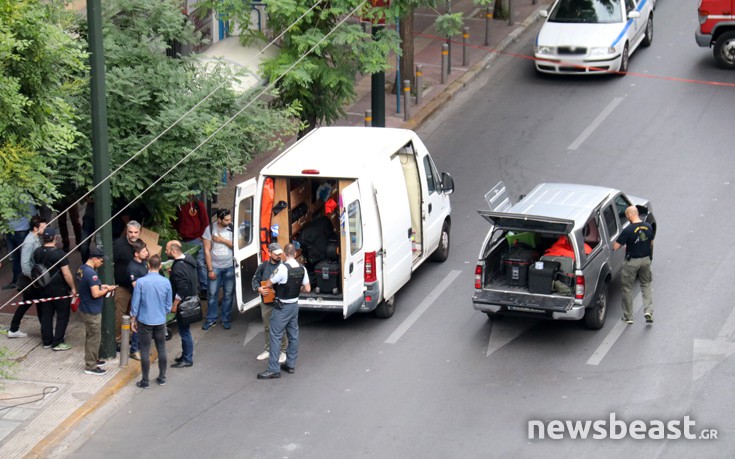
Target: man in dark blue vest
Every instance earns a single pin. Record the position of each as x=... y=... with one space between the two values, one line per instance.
x=290 y=279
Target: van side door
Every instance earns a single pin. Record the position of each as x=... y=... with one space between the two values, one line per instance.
x=352 y=247
x=434 y=204
x=246 y=245
x=612 y=231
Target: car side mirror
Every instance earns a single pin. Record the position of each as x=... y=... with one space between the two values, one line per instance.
x=634 y=15
x=544 y=13
x=447 y=183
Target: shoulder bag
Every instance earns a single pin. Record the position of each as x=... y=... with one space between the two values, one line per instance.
x=189 y=310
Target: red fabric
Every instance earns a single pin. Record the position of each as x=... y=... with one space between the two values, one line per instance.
x=191 y=220
x=329 y=206
x=266 y=212
x=562 y=248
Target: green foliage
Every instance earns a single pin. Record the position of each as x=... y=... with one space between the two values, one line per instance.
x=41 y=69
x=449 y=24
x=7 y=365
x=148 y=91
x=324 y=81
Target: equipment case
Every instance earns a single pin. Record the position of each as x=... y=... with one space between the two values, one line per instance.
x=541 y=276
x=326 y=273
x=516 y=265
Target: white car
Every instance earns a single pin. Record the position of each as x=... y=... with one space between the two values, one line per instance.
x=592 y=36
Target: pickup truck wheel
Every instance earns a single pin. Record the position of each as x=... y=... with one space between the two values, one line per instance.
x=594 y=317
x=442 y=252
x=648 y=37
x=386 y=308
x=724 y=50
x=493 y=316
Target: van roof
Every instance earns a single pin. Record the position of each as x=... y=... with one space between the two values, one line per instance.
x=563 y=200
x=340 y=151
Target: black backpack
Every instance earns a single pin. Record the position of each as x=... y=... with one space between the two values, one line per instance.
x=41 y=276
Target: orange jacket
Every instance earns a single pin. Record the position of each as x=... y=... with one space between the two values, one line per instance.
x=562 y=248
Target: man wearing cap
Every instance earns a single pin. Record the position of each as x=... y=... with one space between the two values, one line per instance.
x=91 y=297
x=61 y=284
x=262 y=274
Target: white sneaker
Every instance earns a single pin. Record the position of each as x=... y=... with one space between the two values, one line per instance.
x=263 y=355
x=17 y=334
x=282 y=358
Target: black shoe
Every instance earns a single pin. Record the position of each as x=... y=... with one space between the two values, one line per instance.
x=10 y=286
x=268 y=375
x=178 y=359
x=161 y=381
x=143 y=385
x=182 y=364
x=287 y=369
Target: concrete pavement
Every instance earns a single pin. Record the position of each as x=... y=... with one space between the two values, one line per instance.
x=50 y=392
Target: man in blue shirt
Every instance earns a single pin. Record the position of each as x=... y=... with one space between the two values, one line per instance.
x=91 y=295
x=152 y=299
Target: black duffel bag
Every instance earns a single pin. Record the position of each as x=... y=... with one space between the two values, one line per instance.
x=189 y=311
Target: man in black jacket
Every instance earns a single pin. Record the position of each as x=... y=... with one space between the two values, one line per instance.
x=122 y=255
x=184 y=284
x=263 y=273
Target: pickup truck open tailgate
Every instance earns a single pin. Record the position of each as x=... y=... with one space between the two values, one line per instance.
x=521 y=301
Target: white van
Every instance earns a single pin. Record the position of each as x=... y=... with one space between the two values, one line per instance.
x=392 y=213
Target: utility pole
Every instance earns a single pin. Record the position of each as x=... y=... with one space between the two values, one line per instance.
x=377 y=80
x=101 y=162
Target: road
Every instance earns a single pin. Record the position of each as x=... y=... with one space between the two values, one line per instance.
x=439 y=379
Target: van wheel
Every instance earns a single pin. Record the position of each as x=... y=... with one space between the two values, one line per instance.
x=386 y=308
x=594 y=317
x=724 y=50
x=623 y=70
x=442 y=252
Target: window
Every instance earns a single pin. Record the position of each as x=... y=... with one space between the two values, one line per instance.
x=589 y=11
x=245 y=223
x=354 y=222
x=611 y=222
x=430 y=175
x=629 y=5
x=621 y=203
x=591 y=233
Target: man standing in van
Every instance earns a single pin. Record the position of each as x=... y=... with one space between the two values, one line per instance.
x=263 y=273
x=638 y=241
x=290 y=279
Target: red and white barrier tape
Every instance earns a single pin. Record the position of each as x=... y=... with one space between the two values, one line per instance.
x=53 y=298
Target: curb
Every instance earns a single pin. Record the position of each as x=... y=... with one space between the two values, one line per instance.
x=120 y=380
x=472 y=73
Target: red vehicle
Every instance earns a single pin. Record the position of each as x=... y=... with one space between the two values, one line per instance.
x=717 y=30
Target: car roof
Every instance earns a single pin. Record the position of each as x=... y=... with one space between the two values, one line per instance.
x=339 y=151
x=563 y=200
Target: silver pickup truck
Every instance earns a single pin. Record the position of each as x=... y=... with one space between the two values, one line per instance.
x=550 y=255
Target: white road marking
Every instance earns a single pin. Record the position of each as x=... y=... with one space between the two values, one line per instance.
x=595 y=123
x=708 y=353
x=503 y=333
x=421 y=308
x=613 y=335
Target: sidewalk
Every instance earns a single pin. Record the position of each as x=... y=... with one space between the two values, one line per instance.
x=51 y=394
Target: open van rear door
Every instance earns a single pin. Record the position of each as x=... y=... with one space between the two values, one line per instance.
x=246 y=245
x=352 y=247
x=391 y=195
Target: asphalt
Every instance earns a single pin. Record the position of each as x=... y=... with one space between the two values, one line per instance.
x=49 y=393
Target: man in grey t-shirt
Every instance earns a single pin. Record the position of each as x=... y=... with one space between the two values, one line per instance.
x=219 y=257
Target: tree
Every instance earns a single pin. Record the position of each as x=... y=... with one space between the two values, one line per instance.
x=41 y=69
x=324 y=81
x=147 y=91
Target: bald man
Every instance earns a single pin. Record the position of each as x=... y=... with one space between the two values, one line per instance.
x=638 y=241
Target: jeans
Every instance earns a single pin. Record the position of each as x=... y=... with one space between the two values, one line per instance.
x=28 y=295
x=14 y=240
x=284 y=319
x=134 y=342
x=93 y=336
x=225 y=278
x=266 y=310
x=158 y=333
x=62 y=309
x=201 y=265
x=122 y=298
x=187 y=343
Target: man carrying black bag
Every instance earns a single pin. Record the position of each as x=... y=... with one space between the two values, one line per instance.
x=184 y=284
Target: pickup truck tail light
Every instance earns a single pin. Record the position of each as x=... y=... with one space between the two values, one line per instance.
x=478 y=277
x=703 y=15
x=370 y=274
x=579 y=288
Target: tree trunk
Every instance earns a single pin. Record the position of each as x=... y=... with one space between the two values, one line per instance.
x=500 y=9
x=407 y=64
